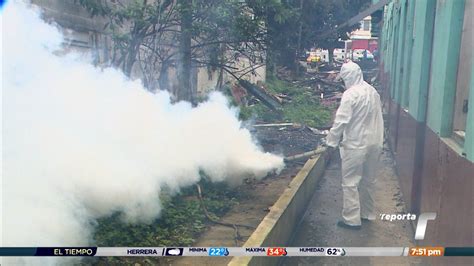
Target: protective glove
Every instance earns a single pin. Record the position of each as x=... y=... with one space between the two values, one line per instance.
x=329 y=149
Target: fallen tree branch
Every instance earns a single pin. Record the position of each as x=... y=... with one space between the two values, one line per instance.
x=237 y=236
x=260 y=93
x=214 y=220
x=316 y=79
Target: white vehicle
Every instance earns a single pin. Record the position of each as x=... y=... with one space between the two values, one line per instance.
x=358 y=54
x=339 y=54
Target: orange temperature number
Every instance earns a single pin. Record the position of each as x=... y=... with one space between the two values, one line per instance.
x=276 y=252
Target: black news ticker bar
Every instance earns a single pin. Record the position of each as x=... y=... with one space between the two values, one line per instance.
x=459 y=251
x=47 y=251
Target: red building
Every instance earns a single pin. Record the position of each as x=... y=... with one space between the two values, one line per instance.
x=365 y=44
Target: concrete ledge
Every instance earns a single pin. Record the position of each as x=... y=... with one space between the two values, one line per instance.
x=276 y=229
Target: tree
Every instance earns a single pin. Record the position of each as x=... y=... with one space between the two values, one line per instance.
x=182 y=34
x=326 y=34
x=185 y=59
x=280 y=20
x=296 y=25
x=132 y=26
x=152 y=36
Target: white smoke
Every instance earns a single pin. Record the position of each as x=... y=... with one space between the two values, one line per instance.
x=81 y=143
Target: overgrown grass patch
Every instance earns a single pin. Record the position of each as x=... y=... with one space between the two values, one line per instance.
x=304 y=107
x=181 y=221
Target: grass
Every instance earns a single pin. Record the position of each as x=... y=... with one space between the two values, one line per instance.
x=181 y=221
x=304 y=107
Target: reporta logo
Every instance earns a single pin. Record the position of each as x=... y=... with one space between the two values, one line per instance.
x=420 y=226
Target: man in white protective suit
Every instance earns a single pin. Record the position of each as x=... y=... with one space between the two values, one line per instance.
x=359 y=121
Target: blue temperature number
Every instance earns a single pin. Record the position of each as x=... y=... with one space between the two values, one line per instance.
x=218 y=252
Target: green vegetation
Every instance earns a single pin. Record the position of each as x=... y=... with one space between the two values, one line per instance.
x=306 y=110
x=304 y=107
x=182 y=219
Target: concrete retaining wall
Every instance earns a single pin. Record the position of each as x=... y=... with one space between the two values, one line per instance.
x=277 y=227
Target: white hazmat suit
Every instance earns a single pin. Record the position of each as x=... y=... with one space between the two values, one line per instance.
x=359 y=120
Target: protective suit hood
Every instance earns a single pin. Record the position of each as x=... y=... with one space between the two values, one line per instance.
x=351 y=74
x=359 y=116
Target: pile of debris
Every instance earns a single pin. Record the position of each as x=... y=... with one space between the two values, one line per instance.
x=309 y=99
x=291 y=140
x=324 y=85
x=321 y=84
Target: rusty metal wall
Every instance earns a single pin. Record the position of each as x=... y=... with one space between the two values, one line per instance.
x=433 y=175
x=405 y=155
x=434 y=178
x=392 y=125
x=447 y=189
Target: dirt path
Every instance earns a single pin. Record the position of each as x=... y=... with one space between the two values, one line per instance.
x=318 y=228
